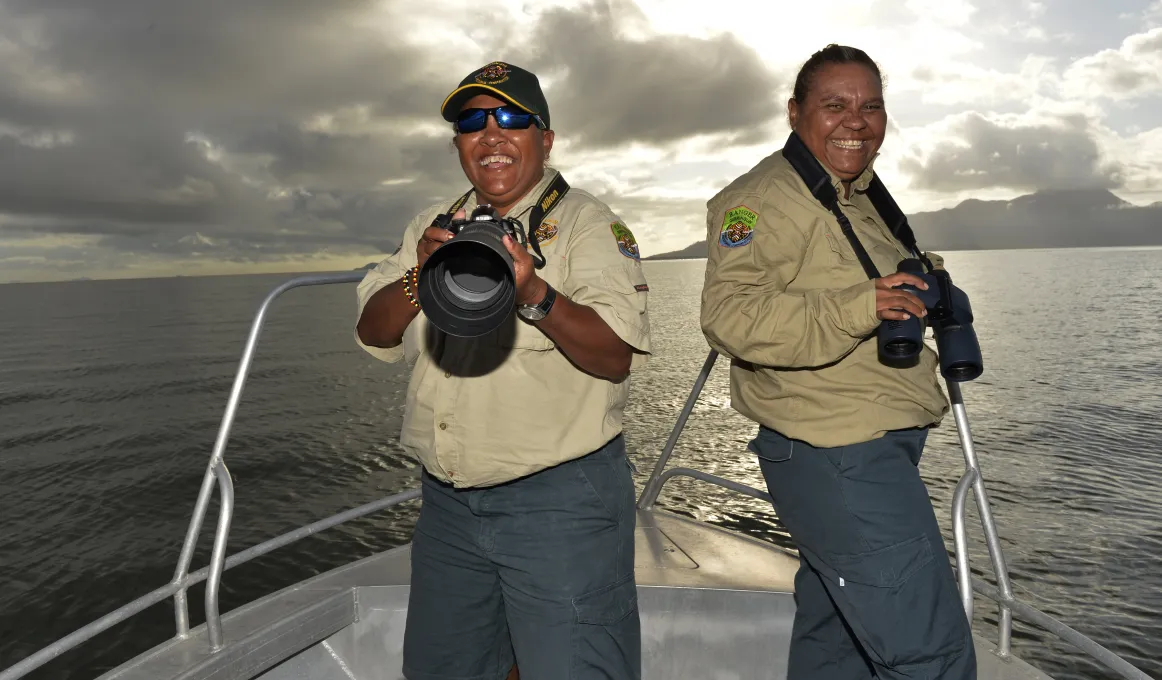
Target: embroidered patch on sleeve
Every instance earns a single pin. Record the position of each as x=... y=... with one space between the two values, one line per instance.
x=738 y=227
x=625 y=241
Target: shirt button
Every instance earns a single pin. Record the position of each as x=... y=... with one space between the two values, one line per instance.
x=443 y=426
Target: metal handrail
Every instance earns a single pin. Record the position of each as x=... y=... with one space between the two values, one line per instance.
x=654 y=483
x=972 y=479
x=1023 y=611
x=82 y=635
x=216 y=471
x=988 y=524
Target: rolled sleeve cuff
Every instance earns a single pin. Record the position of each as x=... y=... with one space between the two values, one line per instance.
x=374 y=282
x=389 y=354
x=859 y=308
x=620 y=299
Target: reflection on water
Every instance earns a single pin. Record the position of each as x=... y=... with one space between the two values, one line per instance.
x=111 y=394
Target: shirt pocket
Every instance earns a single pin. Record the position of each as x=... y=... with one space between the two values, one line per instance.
x=516 y=333
x=840 y=247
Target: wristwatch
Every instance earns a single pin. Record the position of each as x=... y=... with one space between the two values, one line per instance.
x=541 y=310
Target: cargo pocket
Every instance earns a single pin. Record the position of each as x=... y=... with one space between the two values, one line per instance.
x=607 y=633
x=607 y=605
x=771 y=446
x=898 y=602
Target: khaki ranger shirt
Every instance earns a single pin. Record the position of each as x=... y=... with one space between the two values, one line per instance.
x=482 y=411
x=787 y=299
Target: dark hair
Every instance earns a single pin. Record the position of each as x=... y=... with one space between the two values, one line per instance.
x=832 y=54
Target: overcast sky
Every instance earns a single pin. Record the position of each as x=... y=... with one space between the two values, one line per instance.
x=154 y=137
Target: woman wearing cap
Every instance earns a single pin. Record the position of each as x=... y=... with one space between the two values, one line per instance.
x=524 y=545
x=840 y=434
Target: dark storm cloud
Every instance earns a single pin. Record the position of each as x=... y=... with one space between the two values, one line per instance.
x=122 y=85
x=1025 y=157
x=610 y=90
x=169 y=127
x=116 y=174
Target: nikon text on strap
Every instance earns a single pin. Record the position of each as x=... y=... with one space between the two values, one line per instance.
x=548 y=200
x=818 y=181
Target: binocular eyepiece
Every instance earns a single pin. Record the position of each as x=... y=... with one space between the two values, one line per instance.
x=949 y=312
x=467 y=287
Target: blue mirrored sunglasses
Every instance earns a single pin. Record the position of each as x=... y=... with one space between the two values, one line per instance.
x=507 y=118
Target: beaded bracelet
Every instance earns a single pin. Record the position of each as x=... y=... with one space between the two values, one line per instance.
x=409 y=283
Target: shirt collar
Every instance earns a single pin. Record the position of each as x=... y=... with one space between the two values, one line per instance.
x=530 y=198
x=859 y=184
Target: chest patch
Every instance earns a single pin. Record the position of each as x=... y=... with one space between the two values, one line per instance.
x=546 y=232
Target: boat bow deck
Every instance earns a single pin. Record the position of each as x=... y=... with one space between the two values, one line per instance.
x=714 y=604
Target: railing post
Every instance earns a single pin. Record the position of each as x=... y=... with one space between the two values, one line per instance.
x=218 y=556
x=181 y=605
x=992 y=540
x=217 y=458
x=654 y=484
x=960 y=536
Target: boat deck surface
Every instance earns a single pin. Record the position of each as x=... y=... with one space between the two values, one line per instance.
x=714 y=604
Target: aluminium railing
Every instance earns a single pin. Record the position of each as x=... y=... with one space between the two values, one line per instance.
x=971 y=479
x=217 y=472
x=216 y=475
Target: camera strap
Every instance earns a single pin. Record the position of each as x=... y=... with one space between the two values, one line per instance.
x=548 y=200
x=818 y=182
x=444 y=218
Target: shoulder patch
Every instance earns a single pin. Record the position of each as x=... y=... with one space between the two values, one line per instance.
x=547 y=231
x=738 y=227
x=625 y=241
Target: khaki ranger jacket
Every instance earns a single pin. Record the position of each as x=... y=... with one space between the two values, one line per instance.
x=786 y=298
x=483 y=411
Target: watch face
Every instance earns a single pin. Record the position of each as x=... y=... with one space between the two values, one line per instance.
x=531 y=313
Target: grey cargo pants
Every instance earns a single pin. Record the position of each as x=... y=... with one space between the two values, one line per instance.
x=875 y=592
x=541 y=567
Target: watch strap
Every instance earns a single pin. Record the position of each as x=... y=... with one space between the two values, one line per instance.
x=542 y=308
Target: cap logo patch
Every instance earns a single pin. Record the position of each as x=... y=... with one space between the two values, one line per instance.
x=493 y=74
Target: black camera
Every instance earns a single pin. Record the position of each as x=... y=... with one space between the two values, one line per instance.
x=950 y=315
x=467 y=287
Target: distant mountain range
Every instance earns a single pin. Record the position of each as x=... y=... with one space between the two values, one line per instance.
x=1046 y=219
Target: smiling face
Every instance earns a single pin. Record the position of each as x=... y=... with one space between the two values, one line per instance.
x=842 y=119
x=503 y=165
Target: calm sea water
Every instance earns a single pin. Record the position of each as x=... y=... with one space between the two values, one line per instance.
x=111 y=394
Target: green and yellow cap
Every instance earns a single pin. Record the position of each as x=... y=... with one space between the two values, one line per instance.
x=510 y=83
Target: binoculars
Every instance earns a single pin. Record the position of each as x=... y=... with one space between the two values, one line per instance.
x=950 y=316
